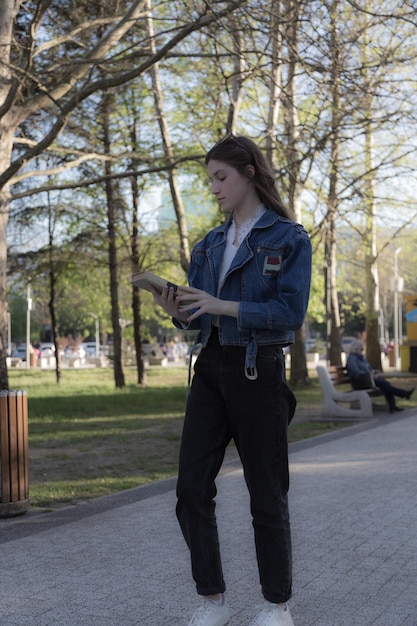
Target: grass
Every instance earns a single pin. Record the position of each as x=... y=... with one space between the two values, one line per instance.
x=88 y=439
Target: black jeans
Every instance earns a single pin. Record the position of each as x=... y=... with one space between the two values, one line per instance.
x=389 y=391
x=224 y=404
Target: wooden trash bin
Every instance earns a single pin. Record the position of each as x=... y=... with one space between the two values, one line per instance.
x=14 y=453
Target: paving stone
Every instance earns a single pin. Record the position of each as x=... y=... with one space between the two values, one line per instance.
x=121 y=560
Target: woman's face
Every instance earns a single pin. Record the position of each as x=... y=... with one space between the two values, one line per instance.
x=230 y=187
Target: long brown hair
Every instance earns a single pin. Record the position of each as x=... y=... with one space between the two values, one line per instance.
x=239 y=152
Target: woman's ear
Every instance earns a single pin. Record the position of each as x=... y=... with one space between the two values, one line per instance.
x=250 y=171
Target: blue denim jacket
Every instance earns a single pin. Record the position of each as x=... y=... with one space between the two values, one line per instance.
x=356 y=365
x=269 y=277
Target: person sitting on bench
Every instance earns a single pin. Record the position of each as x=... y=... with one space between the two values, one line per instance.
x=362 y=376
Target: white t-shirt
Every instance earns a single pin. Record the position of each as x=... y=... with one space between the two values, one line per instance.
x=233 y=241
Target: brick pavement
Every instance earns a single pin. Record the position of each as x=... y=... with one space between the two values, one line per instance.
x=121 y=561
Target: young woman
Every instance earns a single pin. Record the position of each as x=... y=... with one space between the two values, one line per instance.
x=360 y=373
x=248 y=291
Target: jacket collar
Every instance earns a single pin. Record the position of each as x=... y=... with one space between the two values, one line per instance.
x=269 y=218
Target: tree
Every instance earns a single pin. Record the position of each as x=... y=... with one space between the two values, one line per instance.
x=45 y=75
x=293 y=9
x=297 y=85
x=135 y=242
x=376 y=109
x=167 y=146
x=331 y=295
x=363 y=150
x=111 y=204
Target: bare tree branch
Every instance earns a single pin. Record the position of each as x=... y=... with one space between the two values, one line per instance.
x=115 y=176
x=87 y=90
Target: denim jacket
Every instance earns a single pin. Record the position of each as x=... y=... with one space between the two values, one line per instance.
x=269 y=277
x=356 y=365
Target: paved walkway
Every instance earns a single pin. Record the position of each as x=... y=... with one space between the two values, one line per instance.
x=120 y=560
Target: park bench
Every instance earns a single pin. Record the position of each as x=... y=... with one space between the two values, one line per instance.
x=13 y=361
x=348 y=402
x=158 y=359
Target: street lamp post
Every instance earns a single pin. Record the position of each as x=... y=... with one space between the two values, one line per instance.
x=97 y=333
x=396 y=307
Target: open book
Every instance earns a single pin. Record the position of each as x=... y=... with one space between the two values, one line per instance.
x=144 y=279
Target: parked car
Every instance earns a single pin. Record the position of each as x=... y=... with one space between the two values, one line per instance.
x=20 y=352
x=89 y=348
x=47 y=348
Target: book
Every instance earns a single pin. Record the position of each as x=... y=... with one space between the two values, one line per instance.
x=144 y=279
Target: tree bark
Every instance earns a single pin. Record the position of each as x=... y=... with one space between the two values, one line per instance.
x=238 y=75
x=52 y=296
x=373 y=350
x=6 y=141
x=134 y=252
x=112 y=249
x=7 y=90
x=275 y=79
x=299 y=371
x=332 y=301
x=168 y=150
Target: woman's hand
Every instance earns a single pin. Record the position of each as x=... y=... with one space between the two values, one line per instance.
x=168 y=300
x=188 y=303
x=197 y=302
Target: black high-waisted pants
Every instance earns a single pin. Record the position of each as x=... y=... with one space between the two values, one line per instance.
x=224 y=404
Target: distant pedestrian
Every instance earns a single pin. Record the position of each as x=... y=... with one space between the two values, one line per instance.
x=249 y=287
x=362 y=376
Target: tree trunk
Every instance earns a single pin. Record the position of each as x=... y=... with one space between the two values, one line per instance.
x=299 y=371
x=7 y=8
x=4 y=212
x=334 y=354
x=119 y=378
x=137 y=318
x=52 y=293
x=275 y=78
x=137 y=324
x=373 y=350
x=169 y=153
x=237 y=78
x=6 y=143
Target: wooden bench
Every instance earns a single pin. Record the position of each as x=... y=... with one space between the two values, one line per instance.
x=350 y=402
x=14 y=453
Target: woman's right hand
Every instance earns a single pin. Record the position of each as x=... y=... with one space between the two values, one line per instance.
x=169 y=303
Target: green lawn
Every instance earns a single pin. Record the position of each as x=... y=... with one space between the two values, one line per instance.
x=89 y=439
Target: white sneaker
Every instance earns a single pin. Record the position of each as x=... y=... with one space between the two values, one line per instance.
x=274 y=615
x=210 y=614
